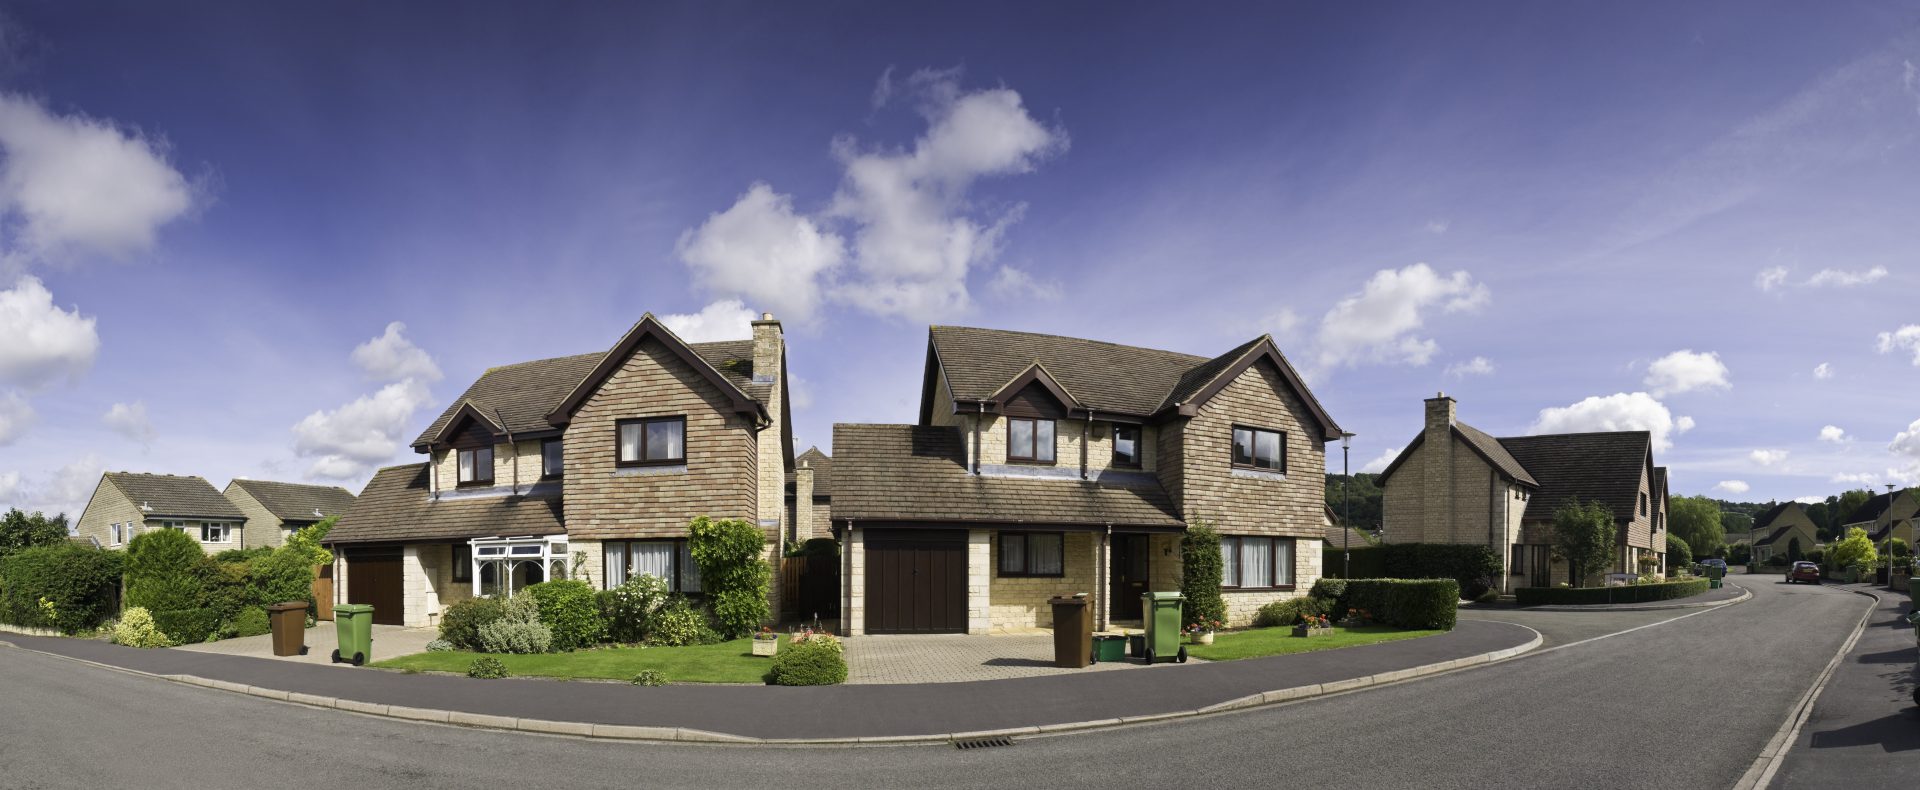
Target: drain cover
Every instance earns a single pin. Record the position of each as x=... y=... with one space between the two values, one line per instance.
x=982 y=743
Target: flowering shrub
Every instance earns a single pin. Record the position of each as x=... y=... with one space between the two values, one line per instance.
x=814 y=661
x=1315 y=621
x=1355 y=618
x=136 y=629
x=1204 y=626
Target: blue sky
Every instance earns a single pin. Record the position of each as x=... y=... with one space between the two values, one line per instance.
x=1660 y=216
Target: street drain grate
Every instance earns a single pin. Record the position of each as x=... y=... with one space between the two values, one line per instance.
x=982 y=743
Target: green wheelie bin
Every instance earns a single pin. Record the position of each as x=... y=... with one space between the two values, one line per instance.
x=353 y=623
x=1162 y=610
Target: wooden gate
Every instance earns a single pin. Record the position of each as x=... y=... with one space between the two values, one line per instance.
x=810 y=588
x=916 y=581
x=323 y=592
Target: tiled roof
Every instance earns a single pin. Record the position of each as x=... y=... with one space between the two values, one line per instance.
x=395 y=507
x=1772 y=536
x=1105 y=376
x=294 y=502
x=1496 y=453
x=918 y=473
x=1604 y=467
x=822 y=466
x=184 y=496
x=1765 y=519
x=1354 y=537
x=1873 y=507
x=524 y=394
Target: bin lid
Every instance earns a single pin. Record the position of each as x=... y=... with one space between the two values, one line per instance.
x=1059 y=601
x=1162 y=596
x=353 y=608
x=289 y=605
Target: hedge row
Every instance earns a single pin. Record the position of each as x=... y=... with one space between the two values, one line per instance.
x=1401 y=603
x=1471 y=566
x=1590 y=596
x=65 y=586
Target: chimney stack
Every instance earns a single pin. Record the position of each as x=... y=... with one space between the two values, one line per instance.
x=769 y=345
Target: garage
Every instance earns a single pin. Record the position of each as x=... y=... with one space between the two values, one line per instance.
x=373 y=577
x=916 y=581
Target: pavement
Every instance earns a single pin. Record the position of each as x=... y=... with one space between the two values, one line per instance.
x=1864 y=730
x=1617 y=712
x=960 y=658
x=389 y=641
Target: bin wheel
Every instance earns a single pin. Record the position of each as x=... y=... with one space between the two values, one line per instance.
x=1182 y=657
x=1149 y=655
x=336 y=656
x=359 y=659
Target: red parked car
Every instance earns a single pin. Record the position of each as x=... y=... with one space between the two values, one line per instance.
x=1804 y=571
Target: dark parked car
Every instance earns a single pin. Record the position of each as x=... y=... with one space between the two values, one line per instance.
x=1714 y=562
x=1804 y=571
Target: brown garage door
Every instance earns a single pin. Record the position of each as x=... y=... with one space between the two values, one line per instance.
x=916 y=581
x=373 y=577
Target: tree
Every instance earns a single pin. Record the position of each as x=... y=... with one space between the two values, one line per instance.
x=1367 y=497
x=22 y=530
x=1200 y=573
x=1735 y=524
x=1696 y=520
x=166 y=571
x=1820 y=513
x=1898 y=549
x=306 y=541
x=1844 y=507
x=1857 y=549
x=1583 y=535
x=1737 y=554
x=1679 y=554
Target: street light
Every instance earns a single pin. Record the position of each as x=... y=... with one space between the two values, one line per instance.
x=1346 y=505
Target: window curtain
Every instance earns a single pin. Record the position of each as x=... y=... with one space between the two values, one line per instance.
x=689 y=572
x=630 y=442
x=1283 y=562
x=1013 y=553
x=616 y=565
x=1044 y=554
x=1256 y=562
x=652 y=559
x=663 y=440
x=1230 y=563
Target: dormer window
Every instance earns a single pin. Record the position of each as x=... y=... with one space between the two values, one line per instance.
x=476 y=466
x=552 y=462
x=1259 y=448
x=1126 y=446
x=653 y=441
x=1029 y=441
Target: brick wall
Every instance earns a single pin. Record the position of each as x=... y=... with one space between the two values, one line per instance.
x=1242 y=606
x=1240 y=504
x=1021 y=602
x=262 y=527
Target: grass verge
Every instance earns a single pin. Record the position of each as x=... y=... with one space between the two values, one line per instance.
x=726 y=662
x=1258 y=642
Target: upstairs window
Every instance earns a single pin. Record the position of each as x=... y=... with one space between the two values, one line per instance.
x=1259 y=448
x=651 y=441
x=116 y=535
x=1029 y=441
x=1032 y=554
x=213 y=533
x=552 y=463
x=1126 y=445
x=476 y=466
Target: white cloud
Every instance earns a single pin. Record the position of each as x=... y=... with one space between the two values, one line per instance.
x=1379 y=323
x=1438 y=226
x=1866 y=479
x=1686 y=371
x=1682 y=424
x=759 y=248
x=16 y=416
x=1379 y=464
x=1907 y=442
x=1810 y=500
x=1732 y=486
x=1621 y=411
x=1906 y=337
x=1478 y=366
x=1767 y=457
x=800 y=391
x=1834 y=434
x=727 y=319
x=1770 y=278
x=64 y=490
x=1011 y=283
x=9 y=486
x=1839 y=278
x=1823 y=371
x=74 y=184
x=392 y=357
x=44 y=343
x=130 y=420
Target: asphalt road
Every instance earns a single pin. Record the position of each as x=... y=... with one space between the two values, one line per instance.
x=1623 y=711
x=1864 y=730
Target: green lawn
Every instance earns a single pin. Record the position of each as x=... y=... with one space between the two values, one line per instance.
x=1257 y=642
x=727 y=662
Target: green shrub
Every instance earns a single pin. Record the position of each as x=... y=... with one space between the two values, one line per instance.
x=1406 y=603
x=242 y=555
x=136 y=629
x=518 y=630
x=166 y=572
x=1589 y=596
x=1200 y=570
x=460 y=624
x=814 y=662
x=1472 y=567
x=487 y=668
x=187 y=626
x=283 y=576
x=439 y=646
x=1679 y=555
x=649 y=677
x=1488 y=597
x=1331 y=591
x=569 y=608
x=678 y=623
x=814 y=547
x=629 y=609
x=77 y=583
x=227 y=588
x=733 y=574
x=1288 y=612
x=252 y=621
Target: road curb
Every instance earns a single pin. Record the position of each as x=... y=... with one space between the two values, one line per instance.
x=657 y=734
x=1744 y=595
x=1774 y=754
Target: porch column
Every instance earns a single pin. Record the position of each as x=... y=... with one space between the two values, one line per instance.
x=853 y=584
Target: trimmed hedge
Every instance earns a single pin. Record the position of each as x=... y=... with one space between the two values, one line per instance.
x=1406 y=603
x=186 y=626
x=77 y=583
x=1470 y=566
x=1592 y=596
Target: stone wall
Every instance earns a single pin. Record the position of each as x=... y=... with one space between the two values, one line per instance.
x=1021 y=602
x=108 y=507
x=262 y=527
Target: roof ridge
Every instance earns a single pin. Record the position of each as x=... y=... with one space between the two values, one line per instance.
x=1108 y=343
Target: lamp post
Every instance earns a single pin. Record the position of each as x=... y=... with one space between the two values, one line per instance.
x=1346 y=505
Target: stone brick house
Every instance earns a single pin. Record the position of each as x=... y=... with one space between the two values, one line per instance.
x=1045 y=465
x=1784 y=530
x=589 y=466
x=125 y=504
x=811 y=483
x=1455 y=484
x=275 y=510
x=1885 y=517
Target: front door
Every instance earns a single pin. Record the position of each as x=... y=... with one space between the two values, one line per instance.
x=1540 y=566
x=1129 y=575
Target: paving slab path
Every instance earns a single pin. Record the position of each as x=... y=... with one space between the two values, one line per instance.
x=1864 y=730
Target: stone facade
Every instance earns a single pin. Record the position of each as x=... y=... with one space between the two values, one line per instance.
x=1018 y=603
x=108 y=507
x=853 y=583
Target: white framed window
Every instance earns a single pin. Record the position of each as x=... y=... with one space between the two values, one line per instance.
x=116 y=534
x=211 y=532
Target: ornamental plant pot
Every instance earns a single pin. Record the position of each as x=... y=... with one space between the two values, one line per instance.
x=1307 y=630
x=1203 y=638
x=766 y=647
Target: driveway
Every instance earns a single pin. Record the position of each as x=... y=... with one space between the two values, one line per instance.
x=389 y=641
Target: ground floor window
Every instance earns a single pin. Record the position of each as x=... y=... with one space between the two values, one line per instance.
x=1032 y=554
x=1256 y=563
x=668 y=559
x=213 y=533
x=1519 y=559
x=462 y=563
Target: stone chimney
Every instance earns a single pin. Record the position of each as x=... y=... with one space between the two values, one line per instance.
x=803 y=502
x=769 y=351
x=769 y=345
x=1436 y=472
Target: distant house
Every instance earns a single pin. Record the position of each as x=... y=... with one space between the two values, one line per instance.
x=1784 y=530
x=275 y=510
x=1456 y=484
x=1885 y=517
x=1339 y=537
x=810 y=496
x=125 y=504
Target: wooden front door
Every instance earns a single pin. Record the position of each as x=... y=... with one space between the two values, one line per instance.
x=373 y=577
x=916 y=581
x=1129 y=575
x=1540 y=566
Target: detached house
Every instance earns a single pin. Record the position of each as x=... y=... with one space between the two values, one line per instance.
x=1784 y=530
x=275 y=510
x=1043 y=466
x=1885 y=517
x=810 y=496
x=125 y=504
x=588 y=466
x=1455 y=484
